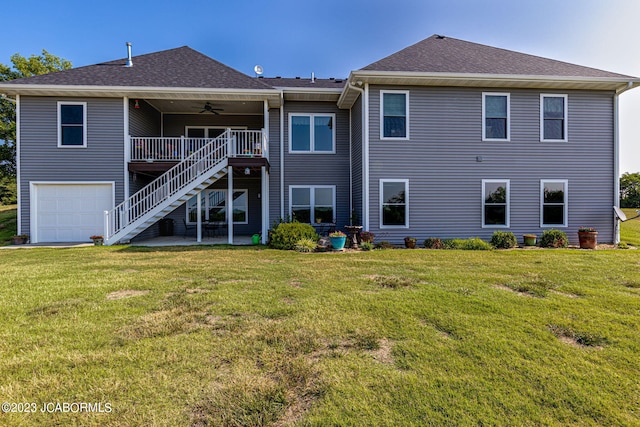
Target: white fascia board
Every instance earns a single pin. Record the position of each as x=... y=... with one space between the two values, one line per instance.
x=378 y=76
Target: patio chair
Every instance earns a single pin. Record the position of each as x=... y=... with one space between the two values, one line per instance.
x=188 y=227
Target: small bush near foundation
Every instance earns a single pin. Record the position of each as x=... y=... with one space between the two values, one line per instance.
x=433 y=243
x=554 y=239
x=503 y=240
x=471 y=244
x=384 y=245
x=623 y=245
x=306 y=245
x=366 y=246
x=286 y=234
x=367 y=236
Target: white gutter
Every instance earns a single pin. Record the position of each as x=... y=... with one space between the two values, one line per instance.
x=616 y=156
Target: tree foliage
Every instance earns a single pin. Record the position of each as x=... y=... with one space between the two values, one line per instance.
x=20 y=67
x=630 y=190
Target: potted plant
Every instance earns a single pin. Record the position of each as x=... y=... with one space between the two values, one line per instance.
x=588 y=237
x=529 y=239
x=410 y=242
x=338 y=239
x=97 y=240
x=20 y=239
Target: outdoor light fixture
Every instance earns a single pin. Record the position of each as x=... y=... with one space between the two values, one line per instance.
x=247 y=171
x=136 y=105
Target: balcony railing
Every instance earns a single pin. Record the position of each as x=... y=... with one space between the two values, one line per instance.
x=245 y=143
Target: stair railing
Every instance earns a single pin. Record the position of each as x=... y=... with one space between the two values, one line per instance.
x=168 y=184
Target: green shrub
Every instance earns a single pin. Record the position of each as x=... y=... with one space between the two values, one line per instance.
x=471 y=244
x=433 y=243
x=286 y=234
x=366 y=246
x=623 y=245
x=554 y=239
x=503 y=240
x=384 y=245
x=306 y=245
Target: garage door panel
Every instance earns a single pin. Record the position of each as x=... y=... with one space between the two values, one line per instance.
x=71 y=212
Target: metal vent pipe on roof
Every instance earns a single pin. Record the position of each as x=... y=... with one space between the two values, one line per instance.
x=129 y=61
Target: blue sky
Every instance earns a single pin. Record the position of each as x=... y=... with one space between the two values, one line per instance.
x=331 y=37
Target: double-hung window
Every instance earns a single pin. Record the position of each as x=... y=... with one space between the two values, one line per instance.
x=553 y=203
x=495 y=117
x=312 y=133
x=553 y=117
x=394 y=114
x=495 y=203
x=214 y=207
x=394 y=203
x=312 y=204
x=72 y=124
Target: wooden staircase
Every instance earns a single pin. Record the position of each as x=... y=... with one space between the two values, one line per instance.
x=170 y=190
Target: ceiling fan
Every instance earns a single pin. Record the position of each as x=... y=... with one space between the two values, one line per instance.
x=210 y=108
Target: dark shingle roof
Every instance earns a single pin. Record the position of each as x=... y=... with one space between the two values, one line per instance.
x=439 y=54
x=286 y=82
x=181 y=67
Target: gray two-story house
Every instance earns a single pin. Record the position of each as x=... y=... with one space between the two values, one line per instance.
x=445 y=138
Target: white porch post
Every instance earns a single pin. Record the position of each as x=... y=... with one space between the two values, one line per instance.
x=230 y=204
x=199 y=216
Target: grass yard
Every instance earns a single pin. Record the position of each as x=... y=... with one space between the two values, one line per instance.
x=8 y=224
x=248 y=337
x=630 y=230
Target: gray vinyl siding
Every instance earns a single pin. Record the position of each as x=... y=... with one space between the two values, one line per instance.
x=445 y=178
x=145 y=120
x=274 y=163
x=320 y=169
x=356 y=159
x=42 y=160
x=175 y=124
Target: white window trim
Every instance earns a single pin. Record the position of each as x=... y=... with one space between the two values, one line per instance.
x=226 y=212
x=312 y=199
x=406 y=202
x=484 y=116
x=566 y=203
x=566 y=116
x=312 y=142
x=389 y=138
x=84 y=124
x=507 y=206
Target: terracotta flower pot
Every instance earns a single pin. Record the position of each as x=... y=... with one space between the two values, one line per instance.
x=588 y=239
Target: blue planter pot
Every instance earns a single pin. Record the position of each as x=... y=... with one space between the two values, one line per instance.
x=338 y=242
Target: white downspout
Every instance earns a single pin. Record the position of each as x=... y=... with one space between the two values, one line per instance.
x=357 y=89
x=616 y=158
x=365 y=159
x=127 y=148
x=19 y=184
x=281 y=154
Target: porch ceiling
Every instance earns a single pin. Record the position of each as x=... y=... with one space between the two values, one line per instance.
x=176 y=106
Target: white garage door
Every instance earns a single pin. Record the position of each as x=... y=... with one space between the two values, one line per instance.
x=70 y=212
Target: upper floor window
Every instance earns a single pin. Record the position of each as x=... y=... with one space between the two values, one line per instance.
x=312 y=133
x=553 y=117
x=495 y=201
x=553 y=203
x=394 y=203
x=312 y=204
x=72 y=124
x=495 y=117
x=394 y=117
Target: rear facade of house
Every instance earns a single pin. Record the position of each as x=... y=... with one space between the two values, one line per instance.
x=445 y=138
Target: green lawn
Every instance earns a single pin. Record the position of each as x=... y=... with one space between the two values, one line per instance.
x=630 y=230
x=8 y=224
x=246 y=337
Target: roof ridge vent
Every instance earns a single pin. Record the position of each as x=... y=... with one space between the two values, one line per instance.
x=440 y=37
x=129 y=61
